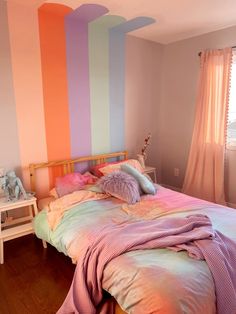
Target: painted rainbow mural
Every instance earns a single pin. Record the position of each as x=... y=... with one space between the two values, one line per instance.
x=78 y=108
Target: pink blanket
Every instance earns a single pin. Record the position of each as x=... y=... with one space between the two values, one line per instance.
x=193 y=233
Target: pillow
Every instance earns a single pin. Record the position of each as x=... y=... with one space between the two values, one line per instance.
x=43 y=202
x=53 y=193
x=121 y=185
x=146 y=185
x=92 y=177
x=71 y=182
x=114 y=167
x=96 y=169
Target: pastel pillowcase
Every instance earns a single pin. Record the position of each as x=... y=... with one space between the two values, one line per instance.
x=117 y=166
x=145 y=184
x=53 y=193
x=121 y=185
x=71 y=182
x=96 y=169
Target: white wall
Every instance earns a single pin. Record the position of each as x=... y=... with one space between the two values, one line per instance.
x=143 y=91
x=179 y=88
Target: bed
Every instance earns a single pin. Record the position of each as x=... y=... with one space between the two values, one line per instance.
x=157 y=280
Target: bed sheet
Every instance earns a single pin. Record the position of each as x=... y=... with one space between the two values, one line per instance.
x=146 y=281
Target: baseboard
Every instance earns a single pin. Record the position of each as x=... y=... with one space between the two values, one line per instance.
x=231 y=205
x=174 y=188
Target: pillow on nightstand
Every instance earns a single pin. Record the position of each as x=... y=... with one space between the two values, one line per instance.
x=145 y=184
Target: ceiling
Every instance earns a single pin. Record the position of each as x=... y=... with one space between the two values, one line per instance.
x=175 y=19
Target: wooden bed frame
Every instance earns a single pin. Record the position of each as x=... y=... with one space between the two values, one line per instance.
x=68 y=167
x=68 y=164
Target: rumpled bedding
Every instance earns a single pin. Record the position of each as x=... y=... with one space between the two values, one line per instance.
x=193 y=234
x=151 y=280
x=57 y=208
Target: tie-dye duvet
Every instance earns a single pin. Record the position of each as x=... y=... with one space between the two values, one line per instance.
x=145 y=280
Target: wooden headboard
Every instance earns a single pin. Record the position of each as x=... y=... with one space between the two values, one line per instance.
x=68 y=164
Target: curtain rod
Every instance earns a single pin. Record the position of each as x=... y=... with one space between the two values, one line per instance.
x=219 y=49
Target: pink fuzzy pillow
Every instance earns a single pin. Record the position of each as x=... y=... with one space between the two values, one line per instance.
x=71 y=182
x=121 y=185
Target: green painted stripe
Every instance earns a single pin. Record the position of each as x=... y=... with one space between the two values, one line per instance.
x=99 y=81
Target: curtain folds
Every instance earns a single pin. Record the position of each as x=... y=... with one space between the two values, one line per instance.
x=205 y=170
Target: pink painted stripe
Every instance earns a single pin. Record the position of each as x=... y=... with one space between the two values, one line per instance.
x=9 y=156
x=26 y=66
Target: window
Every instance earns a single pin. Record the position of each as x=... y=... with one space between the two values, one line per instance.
x=231 y=132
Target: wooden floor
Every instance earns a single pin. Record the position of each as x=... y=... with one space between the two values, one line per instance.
x=33 y=280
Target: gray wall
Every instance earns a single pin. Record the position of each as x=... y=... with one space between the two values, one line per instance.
x=179 y=87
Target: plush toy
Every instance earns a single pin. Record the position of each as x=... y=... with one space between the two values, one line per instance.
x=13 y=187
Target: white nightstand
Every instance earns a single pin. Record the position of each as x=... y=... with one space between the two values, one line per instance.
x=151 y=170
x=16 y=227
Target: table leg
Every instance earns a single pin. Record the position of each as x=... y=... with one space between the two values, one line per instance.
x=155 y=176
x=1 y=252
x=31 y=211
x=35 y=208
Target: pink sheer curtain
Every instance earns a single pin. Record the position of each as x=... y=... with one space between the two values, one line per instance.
x=205 y=170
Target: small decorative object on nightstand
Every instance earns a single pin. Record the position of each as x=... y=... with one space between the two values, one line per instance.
x=16 y=227
x=13 y=187
x=2 y=181
x=143 y=156
x=151 y=170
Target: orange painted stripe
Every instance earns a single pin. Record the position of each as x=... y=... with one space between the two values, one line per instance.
x=54 y=75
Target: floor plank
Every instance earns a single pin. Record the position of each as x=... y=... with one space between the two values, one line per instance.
x=33 y=280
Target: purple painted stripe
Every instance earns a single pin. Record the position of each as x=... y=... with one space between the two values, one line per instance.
x=76 y=26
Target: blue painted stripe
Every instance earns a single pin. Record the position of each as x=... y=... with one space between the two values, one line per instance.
x=117 y=79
